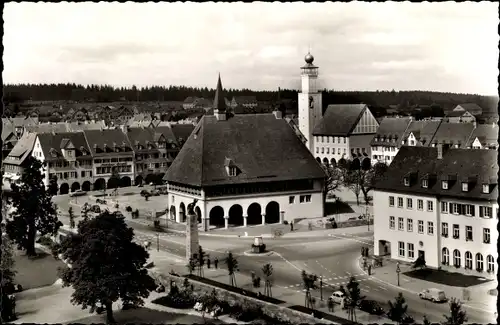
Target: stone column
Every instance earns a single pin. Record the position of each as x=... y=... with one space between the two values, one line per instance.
x=282 y=216
x=205 y=222
x=245 y=221
x=226 y=222
x=263 y=219
x=192 y=241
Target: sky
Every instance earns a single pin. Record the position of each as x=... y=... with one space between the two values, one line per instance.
x=448 y=46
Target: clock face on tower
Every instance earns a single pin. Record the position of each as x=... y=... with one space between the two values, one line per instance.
x=311 y=102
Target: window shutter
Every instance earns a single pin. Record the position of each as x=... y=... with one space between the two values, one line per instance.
x=459 y=207
x=481 y=212
x=473 y=209
x=450 y=208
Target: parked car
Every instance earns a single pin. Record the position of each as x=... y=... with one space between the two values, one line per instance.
x=372 y=307
x=99 y=201
x=338 y=297
x=77 y=193
x=433 y=294
x=155 y=193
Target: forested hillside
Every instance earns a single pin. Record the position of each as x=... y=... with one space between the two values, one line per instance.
x=400 y=100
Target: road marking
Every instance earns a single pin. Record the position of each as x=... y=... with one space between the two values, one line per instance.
x=383 y=288
x=353 y=239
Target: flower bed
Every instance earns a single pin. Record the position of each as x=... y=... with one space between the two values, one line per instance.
x=235 y=289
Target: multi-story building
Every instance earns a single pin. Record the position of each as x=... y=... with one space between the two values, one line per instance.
x=389 y=138
x=14 y=163
x=243 y=177
x=13 y=129
x=420 y=133
x=111 y=152
x=68 y=160
x=460 y=117
x=344 y=132
x=440 y=204
x=244 y=101
x=484 y=136
x=170 y=148
x=452 y=135
x=473 y=108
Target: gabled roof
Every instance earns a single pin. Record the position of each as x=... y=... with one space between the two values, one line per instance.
x=461 y=163
x=107 y=139
x=274 y=153
x=472 y=108
x=143 y=137
x=182 y=131
x=22 y=149
x=23 y=121
x=339 y=120
x=245 y=99
x=486 y=133
x=54 y=143
x=48 y=128
x=423 y=130
x=456 y=113
x=75 y=126
x=7 y=129
x=167 y=132
x=189 y=100
x=391 y=128
x=453 y=133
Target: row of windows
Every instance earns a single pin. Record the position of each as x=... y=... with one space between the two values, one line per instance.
x=380 y=157
x=59 y=164
x=302 y=199
x=409 y=203
x=392 y=149
x=457 y=260
x=446 y=207
x=103 y=161
x=67 y=175
x=141 y=167
x=444 y=229
x=333 y=151
x=328 y=139
x=401 y=249
x=109 y=170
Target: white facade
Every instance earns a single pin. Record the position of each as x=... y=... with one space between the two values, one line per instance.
x=331 y=149
x=421 y=227
x=383 y=154
x=247 y=209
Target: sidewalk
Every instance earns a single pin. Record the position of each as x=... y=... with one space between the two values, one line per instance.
x=479 y=297
x=290 y=296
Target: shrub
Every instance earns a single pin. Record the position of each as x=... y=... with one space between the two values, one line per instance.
x=117 y=206
x=46 y=241
x=128 y=209
x=285 y=222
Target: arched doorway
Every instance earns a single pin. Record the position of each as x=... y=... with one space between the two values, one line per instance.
x=197 y=210
x=318 y=160
x=172 y=213
x=384 y=248
x=236 y=215
x=150 y=178
x=333 y=162
x=75 y=186
x=100 y=184
x=325 y=161
x=86 y=186
x=113 y=182
x=217 y=216
x=273 y=212
x=138 y=180
x=254 y=213
x=64 y=188
x=125 y=181
x=182 y=212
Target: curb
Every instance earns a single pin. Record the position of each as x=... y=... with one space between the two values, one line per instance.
x=247 y=253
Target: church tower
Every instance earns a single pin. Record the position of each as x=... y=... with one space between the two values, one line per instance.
x=310 y=100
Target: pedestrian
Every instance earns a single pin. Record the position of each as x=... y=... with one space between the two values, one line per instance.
x=330 y=304
x=216 y=262
x=208 y=261
x=291 y=225
x=369 y=269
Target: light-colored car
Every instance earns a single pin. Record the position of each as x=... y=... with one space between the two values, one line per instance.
x=338 y=297
x=433 y=294
x=77 y=193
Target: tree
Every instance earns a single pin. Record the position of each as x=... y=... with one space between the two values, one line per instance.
x=309 y=283
x=232 y=266
x=114 y=181
x=71 y=218
x=85 y=211
x=426 y=321
x=361 y=177
x=397 y=309
x=267 y=269
x=106 y=264
x=201 y=260
x=354 y=297
x=34 y=209
x=457 y=316
x=7 y=271
x=419 y=262
x=53 y=188
x=334 y=178
x=352 y=181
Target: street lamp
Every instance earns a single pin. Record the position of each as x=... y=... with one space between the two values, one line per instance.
x=398 y=270
x=321 y=286
x=158 y=242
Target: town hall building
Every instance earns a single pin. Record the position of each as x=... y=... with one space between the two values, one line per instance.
x=244 y=170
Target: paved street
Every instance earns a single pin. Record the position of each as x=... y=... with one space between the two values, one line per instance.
x=333 y=257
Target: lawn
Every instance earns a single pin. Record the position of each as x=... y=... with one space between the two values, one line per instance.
x=447 y=278
x=146 y=315
x=35 y=272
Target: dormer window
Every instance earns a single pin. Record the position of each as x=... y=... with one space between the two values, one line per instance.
x=232 y=171
x=407 y=181
x=444 y=185
x=465 y=187
x=486 y=188
x=425 y=183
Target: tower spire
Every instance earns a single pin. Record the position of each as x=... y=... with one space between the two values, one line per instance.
x=219 y=102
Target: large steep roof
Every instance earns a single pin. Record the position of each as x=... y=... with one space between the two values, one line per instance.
x=339 y=120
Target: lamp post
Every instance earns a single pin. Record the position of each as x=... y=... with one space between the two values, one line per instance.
x=397 y=271
x=166 y=217
x=321 y=286
x=158 y=242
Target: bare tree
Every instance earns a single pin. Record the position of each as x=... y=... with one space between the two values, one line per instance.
x=309 y=283
x=267 y=269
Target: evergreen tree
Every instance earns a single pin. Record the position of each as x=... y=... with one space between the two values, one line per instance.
x=7 y=271
x=457 y=316
x=397 y=309
x=201 y=260
x=354 y=297
x=267 y=269
x=85 y=211
x=34 y=209
x=71 y=218
x=53 y=188
x=309 y=283
x=232 y=266
x=106 y=265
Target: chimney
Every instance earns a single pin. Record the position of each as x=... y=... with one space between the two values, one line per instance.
x=440 y=151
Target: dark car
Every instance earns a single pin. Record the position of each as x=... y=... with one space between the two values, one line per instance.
x=371 y=307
